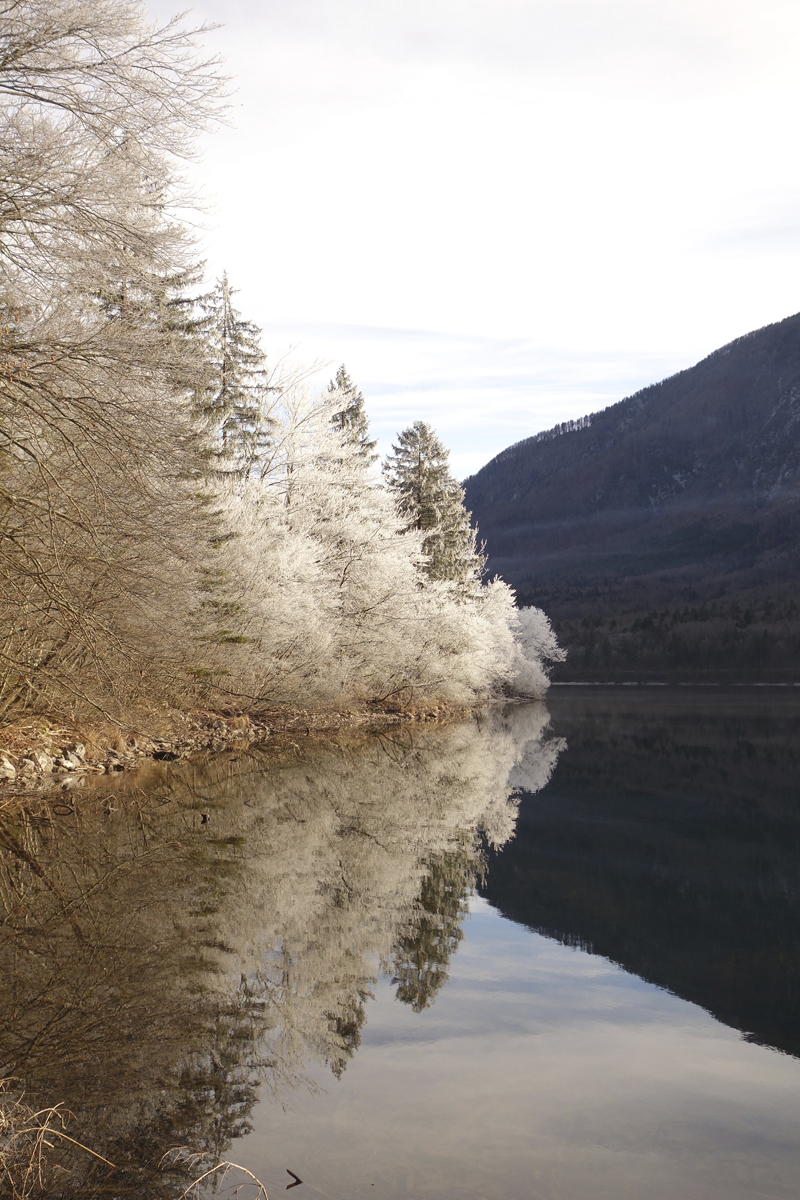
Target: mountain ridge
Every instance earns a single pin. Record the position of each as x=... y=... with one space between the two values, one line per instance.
x=685 y=493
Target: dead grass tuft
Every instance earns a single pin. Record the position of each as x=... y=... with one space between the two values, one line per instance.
x=27 y=1134
x=25 y=1137
x=220 y=1172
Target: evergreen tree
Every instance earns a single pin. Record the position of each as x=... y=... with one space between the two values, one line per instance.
x=232 y=400
x=421 y=954
x=351 y=418
x=430 y=500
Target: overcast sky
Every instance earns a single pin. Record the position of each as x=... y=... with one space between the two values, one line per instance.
x=505 y=213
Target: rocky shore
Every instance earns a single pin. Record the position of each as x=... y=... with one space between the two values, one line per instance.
x=37 y=756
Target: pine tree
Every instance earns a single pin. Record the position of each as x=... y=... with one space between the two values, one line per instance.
x=422 y=952
x=232 y=401
x=351 y=419
x=432 y=501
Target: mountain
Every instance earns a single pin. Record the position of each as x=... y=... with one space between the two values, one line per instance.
x=662 y=535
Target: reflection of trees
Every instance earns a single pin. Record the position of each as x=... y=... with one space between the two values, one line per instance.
x=107 y=996
x=157 y=972
x=345 y=1030
x=421 y=955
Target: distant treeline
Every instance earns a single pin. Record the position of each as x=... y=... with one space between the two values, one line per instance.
x=546 y=435
x=738 y=637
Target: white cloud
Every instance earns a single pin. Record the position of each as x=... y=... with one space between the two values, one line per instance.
x=601 y=182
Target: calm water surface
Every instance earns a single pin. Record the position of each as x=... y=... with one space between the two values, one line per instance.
x=551 y=953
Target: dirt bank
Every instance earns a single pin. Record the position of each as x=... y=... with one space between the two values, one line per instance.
x=39 y=754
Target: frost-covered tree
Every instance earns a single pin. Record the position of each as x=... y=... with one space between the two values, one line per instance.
x=326 y=583
x=431 y=501
x=350 y=417
x=536 y=647
x=99 y=107
x=231 y=400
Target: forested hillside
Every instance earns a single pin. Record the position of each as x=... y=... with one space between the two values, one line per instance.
x=662 y=534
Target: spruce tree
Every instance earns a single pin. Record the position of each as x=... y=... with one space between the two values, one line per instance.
x=351 y=418
x=423 y=950
x=432 y=501
x=231 y=401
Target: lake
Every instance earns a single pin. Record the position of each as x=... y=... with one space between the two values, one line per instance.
x=550 y=952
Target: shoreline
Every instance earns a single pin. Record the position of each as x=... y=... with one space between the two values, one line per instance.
x=39 y=755
x=719 y=684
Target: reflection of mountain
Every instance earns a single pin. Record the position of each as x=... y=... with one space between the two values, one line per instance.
x=173 y=945
x=669 y=841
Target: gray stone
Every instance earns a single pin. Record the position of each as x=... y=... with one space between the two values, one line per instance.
x=7 y=768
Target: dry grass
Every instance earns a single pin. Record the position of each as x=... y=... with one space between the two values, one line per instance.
x=26 y=1134
x=220 y=1172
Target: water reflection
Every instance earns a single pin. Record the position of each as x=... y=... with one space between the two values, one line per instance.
x=669 y=842
x=170 y=948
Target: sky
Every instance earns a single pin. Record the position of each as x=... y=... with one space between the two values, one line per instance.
x=540 y=1071
x=501 y=214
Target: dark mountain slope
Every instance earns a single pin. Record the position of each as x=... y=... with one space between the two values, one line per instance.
x=676 y=511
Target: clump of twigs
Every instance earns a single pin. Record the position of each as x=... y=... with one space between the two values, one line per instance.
x=26 y=1134
x=220 y=1171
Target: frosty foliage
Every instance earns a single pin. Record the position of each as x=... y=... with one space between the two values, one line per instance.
x=350 y=415
x=230 y=400
x=430 y=500
x=535 y=646
x=324 y=597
